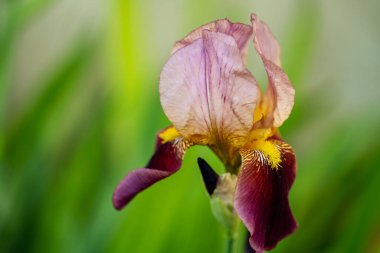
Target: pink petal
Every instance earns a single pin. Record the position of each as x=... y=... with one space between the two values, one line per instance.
x=279 y=97
x=166 y=160
x=261 y=197
x=264 y=40
x=240 y=32
x=206 y=91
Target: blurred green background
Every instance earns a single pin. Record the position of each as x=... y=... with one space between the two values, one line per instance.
x=80 y=108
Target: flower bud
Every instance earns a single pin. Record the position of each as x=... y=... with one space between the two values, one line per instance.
x=221 y=190
x=222 y=200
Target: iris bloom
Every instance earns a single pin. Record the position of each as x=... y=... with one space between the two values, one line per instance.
x=212 y=99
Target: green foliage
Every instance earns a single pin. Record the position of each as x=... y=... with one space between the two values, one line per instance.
x=92 y=114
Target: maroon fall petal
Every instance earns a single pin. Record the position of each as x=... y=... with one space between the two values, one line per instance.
x=261 y=197
x=165 y=161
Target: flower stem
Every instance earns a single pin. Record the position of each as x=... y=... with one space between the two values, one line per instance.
x=231 y=235
x=230 y=245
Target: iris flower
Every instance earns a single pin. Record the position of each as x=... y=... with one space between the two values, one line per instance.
x=212 y=99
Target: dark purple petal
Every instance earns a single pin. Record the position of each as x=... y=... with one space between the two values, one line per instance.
x=166 y=160
x=261 y=197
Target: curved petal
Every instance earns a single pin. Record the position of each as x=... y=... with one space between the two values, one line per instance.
x=206 y=91
x=166 y=160
x=240 y=32
x=278 y=100
x=265 y=42
x=261 y=197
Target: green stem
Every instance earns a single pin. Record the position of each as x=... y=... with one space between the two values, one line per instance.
x=231 y=235
x=230 y=244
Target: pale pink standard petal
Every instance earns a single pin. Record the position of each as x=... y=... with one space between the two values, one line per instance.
x=265 y=42
x=206 y=91
x=279 y=95
x=240 y=32
x=278 y=100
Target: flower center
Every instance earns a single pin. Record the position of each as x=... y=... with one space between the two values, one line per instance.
x=269 y=150
x=258 y=140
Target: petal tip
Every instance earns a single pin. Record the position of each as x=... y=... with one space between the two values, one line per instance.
x=117 y=205
x=118 y=201
x=253 y=17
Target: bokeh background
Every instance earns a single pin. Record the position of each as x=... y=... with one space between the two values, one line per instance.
x=80 y=108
